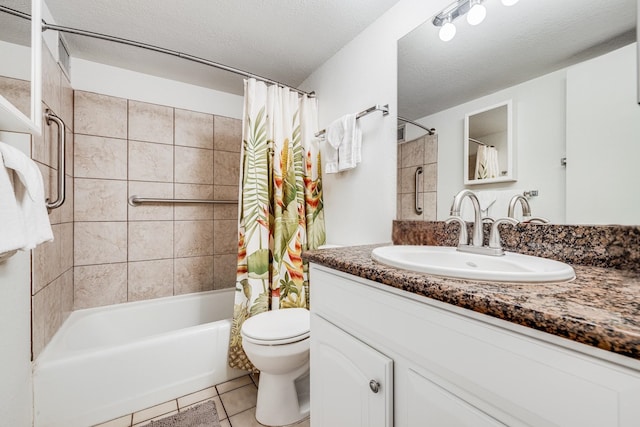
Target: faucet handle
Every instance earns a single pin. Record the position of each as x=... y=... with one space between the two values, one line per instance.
x=463 y=239
x=536 y=219
x=488 y=220
x=494 y=237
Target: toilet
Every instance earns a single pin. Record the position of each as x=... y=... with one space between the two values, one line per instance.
x=277 y=343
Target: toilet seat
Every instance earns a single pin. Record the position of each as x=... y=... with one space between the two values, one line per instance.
x=277 y=327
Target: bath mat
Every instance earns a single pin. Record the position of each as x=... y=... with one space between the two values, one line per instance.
x=202 y=415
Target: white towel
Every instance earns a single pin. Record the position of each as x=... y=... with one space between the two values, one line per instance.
x=487 y=165
x=345 y=144
x=487 y=201
x=24 y=222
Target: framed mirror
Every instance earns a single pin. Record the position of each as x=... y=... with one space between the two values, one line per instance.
x=489 y=146
x=20 y=67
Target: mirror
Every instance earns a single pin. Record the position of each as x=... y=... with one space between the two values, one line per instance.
x=541 y=54
x=20 y=108
x=488 y=145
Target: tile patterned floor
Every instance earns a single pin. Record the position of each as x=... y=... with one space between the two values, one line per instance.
x=235 y=401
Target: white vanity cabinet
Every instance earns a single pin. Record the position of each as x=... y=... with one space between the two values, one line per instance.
x=455 y=367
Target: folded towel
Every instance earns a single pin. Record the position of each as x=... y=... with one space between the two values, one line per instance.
x=344 y=151
x=24 y=222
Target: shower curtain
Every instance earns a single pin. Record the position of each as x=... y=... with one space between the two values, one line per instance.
x=280 y=205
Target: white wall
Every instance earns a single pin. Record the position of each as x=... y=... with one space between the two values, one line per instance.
x=16 y=401
x=603 y=140
x=539 y=138
x=104 y=79
x=361 y=204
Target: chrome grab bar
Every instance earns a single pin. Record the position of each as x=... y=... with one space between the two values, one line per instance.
x=50 y=116
x=137 y=201
x=418 y=208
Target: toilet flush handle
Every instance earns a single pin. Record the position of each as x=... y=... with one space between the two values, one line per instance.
x=374 y=386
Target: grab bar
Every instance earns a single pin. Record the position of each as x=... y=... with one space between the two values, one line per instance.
x=136 y=201
x=50 y=116
x=417 y=177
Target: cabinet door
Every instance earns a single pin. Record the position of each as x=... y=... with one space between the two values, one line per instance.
x=431 y=405
x=351 y=383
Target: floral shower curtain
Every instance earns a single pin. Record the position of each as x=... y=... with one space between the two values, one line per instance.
x=280 y=205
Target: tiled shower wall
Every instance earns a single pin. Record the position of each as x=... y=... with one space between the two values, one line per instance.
x=52 y=262
x=125 y=147
x=421 y=152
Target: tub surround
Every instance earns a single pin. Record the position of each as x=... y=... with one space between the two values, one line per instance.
x=599 y=308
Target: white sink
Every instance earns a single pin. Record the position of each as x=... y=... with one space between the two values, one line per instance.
x=447 y=261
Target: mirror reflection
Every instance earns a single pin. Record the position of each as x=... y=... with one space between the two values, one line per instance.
x=570 y=70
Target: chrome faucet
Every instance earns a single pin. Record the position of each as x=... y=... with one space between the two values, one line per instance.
x=478 y=237
x=526 y=209
x=476 y=245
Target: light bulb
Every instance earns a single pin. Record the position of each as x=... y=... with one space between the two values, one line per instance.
x=476 y=14
x=447 y=32
x=509 y=2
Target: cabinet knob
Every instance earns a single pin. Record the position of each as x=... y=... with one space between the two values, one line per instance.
x=374 y=386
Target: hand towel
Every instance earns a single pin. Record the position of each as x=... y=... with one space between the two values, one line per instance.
x=487 y=166
x=23 y=202
x=345 y=140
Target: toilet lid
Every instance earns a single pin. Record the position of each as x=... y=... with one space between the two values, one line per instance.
x=277 y=326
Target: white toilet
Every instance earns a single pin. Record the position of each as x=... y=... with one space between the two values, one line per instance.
x=277 y=343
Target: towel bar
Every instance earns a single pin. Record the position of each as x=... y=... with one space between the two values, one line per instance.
x=137 y=201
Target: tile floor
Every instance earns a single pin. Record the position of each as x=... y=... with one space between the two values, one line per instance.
x=235 y=401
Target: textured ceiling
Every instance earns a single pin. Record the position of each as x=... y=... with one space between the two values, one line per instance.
x=284 y=40
x=514 y=44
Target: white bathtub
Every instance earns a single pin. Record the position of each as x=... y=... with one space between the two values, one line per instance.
x=109 y=361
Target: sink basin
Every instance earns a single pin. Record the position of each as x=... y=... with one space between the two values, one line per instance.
x=447 y=261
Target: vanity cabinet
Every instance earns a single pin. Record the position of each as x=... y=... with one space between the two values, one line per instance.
x=455 y=367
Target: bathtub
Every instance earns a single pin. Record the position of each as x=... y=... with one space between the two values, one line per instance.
x=110 y=361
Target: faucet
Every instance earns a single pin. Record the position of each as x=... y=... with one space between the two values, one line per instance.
x=526 y=209
x=476 y=246
x=478 y=237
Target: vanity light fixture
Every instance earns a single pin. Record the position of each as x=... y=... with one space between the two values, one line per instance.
x=474 y=9
x=477 y=12
x=448 y=30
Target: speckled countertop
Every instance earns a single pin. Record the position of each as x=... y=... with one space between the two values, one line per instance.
x=600 y=308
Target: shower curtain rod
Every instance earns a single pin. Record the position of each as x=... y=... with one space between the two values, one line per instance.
x=431 y=131
x=480 y=142
x=79 y=32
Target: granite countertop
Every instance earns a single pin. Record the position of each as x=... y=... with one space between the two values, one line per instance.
x=600 y=308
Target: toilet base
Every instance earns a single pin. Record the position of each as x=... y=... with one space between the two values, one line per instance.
x=292 y=388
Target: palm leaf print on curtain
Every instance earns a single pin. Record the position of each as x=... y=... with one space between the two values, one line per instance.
x=280 y=205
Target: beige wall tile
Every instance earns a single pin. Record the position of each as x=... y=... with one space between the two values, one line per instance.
x=225 y=192
x=227 y=133
x=408 y=208
x=431 y=149
x=150 y=162
x=66 y=246
x=38 y=310
x=153 y=212
x=226 y=168
x=18 y=92
x=100 y=115
x=100 y=242
x=225 y=236
x=50 y=184
x=41 y=147
x=193 y=129
x=100 y=157
x=100 y=200
x=224 y=271
x=429 y=207
x=150 y=279
x=412 y=153
x=66 y=210
x=193 y=211
x=51 y=76
x=150 y=122
x=66 y=102
x=193 y=238
x=226 y=211
x=68 y=155
x=408 y=180
x=430 y=175
x=66 y=294
x=193 y=274
x=150 y=240
x=98 y=285
x=47 y=260
x=46 y=314
x=193 y=165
